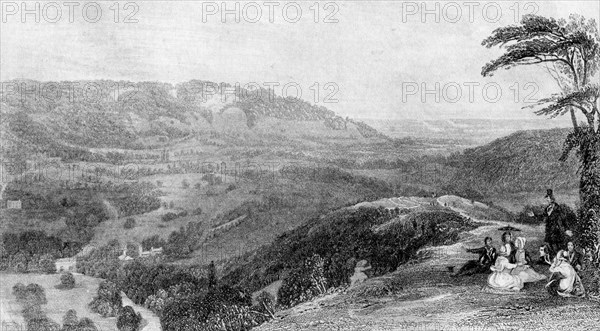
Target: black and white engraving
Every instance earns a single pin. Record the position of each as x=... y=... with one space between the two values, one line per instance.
x=298 y=165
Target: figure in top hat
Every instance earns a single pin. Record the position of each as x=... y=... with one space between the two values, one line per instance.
x=559 y=221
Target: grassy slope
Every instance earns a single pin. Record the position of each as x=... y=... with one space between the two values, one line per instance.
x=424 y=296
x=523 y=161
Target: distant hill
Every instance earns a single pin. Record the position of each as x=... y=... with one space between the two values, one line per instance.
x=109 y=114
x=523 y=161
x=468 y=132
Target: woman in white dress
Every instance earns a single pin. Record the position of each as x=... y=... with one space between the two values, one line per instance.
x=501 y=279
x=523 y=270
x=564 y=281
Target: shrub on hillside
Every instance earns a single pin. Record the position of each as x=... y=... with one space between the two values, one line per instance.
x=266 y=303
x=171 y=216
x=129 y=223
x=67 y=281
x=304 y=283
x=128 y=319
x=70 y=321
x=168 y=217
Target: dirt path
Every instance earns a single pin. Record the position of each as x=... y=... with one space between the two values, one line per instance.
x=433 y=300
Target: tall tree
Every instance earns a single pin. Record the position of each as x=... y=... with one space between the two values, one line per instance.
x=570 y=51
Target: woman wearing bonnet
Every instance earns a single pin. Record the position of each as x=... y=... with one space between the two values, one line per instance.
x=501 y=278
x=522 y=259
x=564 y=281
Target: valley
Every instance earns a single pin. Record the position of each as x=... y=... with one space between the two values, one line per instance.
x=232 y=197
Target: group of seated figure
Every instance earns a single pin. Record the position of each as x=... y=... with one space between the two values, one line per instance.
x=511 y=267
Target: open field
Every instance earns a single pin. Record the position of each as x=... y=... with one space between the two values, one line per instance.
x=59 y=301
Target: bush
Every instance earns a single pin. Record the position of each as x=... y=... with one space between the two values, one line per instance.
x=35 y=294
x=197 y=211
x=107 y=302
x=168 y=217
x=86 y=324
x=185 y=184
x=19 y=291
x=67 y=281
x=266 y=303
x=304 y=283
x=129 y=223
x=70 y=321
x=47 y=264
x=128 y=320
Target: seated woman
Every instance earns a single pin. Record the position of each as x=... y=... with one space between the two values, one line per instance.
x=523 y=270
x=501 y=279
x=564 y=281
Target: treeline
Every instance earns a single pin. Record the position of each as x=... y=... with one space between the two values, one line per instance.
x=129 y=198
x=184 y=298
x=34 y=251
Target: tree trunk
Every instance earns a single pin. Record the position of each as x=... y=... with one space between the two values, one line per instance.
x=589 y=193
x=573 y=117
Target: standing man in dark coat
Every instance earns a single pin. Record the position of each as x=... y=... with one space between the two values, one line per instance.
x=558 y=221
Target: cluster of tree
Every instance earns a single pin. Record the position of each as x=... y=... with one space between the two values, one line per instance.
x=304 y=283
x=168 y=217
x=107 y=301
x=31 y=298
x=71 y=322
x=136 y=198
x=67 y=281
x=183 y=297
x=128 y=319
x=331 y=174
x=340 y=239
x=23 y=263
x=101 y=262
x=129 y=223
x=33 y=251
x=37 y=138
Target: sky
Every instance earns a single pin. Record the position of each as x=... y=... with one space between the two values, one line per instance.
x=363 y=59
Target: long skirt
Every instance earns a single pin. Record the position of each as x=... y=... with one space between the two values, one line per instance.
x=505 y=281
